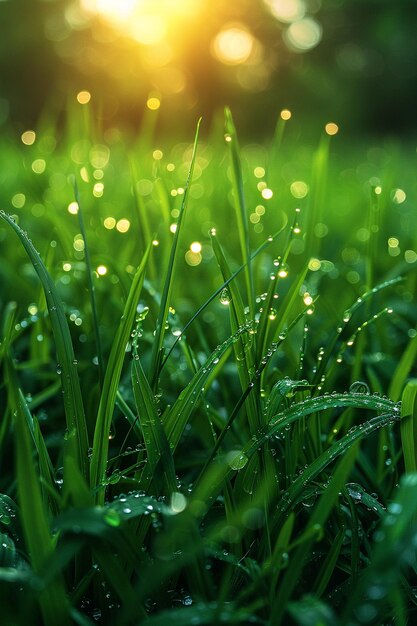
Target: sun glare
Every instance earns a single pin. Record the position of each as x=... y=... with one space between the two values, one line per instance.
x=146 y=21
x=116 y=9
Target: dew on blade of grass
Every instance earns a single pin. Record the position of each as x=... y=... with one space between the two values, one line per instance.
x=178 y=502
x=236 y=459
x=283 y=270
x=225 y=298
x=346 y=316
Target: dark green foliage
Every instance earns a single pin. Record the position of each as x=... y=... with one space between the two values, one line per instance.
x=238 y=462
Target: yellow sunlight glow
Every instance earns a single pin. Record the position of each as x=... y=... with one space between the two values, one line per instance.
x=146 y=21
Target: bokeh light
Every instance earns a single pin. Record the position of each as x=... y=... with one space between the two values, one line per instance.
x=303 y=35
x=331 y=128
x=153 y=103
x=28 y=137
x=287 y=10
x=233 y=45
x=84 y=97
x=123 y=225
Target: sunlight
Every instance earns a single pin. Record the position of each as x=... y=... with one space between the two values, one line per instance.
x=144 y=20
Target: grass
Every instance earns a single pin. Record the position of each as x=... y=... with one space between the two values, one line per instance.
x=195 y=368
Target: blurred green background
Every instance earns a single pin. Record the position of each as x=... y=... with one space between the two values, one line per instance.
x=351 y=61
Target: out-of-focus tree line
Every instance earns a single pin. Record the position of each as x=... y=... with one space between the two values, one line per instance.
x=351 y=61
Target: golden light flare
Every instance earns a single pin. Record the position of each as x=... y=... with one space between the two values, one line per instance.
x=145 y=21
x=331 y=128
x=153 y=103
x=83 y=97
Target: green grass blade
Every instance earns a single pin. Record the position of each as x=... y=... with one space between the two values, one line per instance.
x=9 y=320
x=156 y=358
x=34 y=519
x=46 y=472
x=286 y=309
x=182 y=409
x=240 y=206
x=403 y=370
x=75 y=490
x=244 y=348
x=91 y=288
x=156 y=442
x=309 y=611
x=390 y=559
x=409 y=426
x=111 y=381
x=334 y=400
x=318 y=191
x=145 y=230
x=317 y=519
x=73 y=403
x=327 y=569
x=294 y=493
x=218 y=291
x=266 y=320
x=206 y=615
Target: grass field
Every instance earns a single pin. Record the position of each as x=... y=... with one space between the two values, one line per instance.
x=203 y=349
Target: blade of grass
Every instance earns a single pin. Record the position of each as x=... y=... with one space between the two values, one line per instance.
x=111 y=382
x=156 y=358
x=91 y=288
x=317 y=519
x=391 y=556
x=265 y=317
x=295 y=491
x=34 y=519
x=409 y=425
x=244 y=348
x=327 y=569
x=318 y=191
x=240 y=206
x=403 y=369
x=156 y=442
x=73 y=403
x=221 y=288
x=179 y=414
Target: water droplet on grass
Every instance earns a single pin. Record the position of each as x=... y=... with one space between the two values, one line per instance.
x=236 y=459
x=225 y=298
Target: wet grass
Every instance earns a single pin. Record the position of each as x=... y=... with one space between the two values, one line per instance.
x=202 y=370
